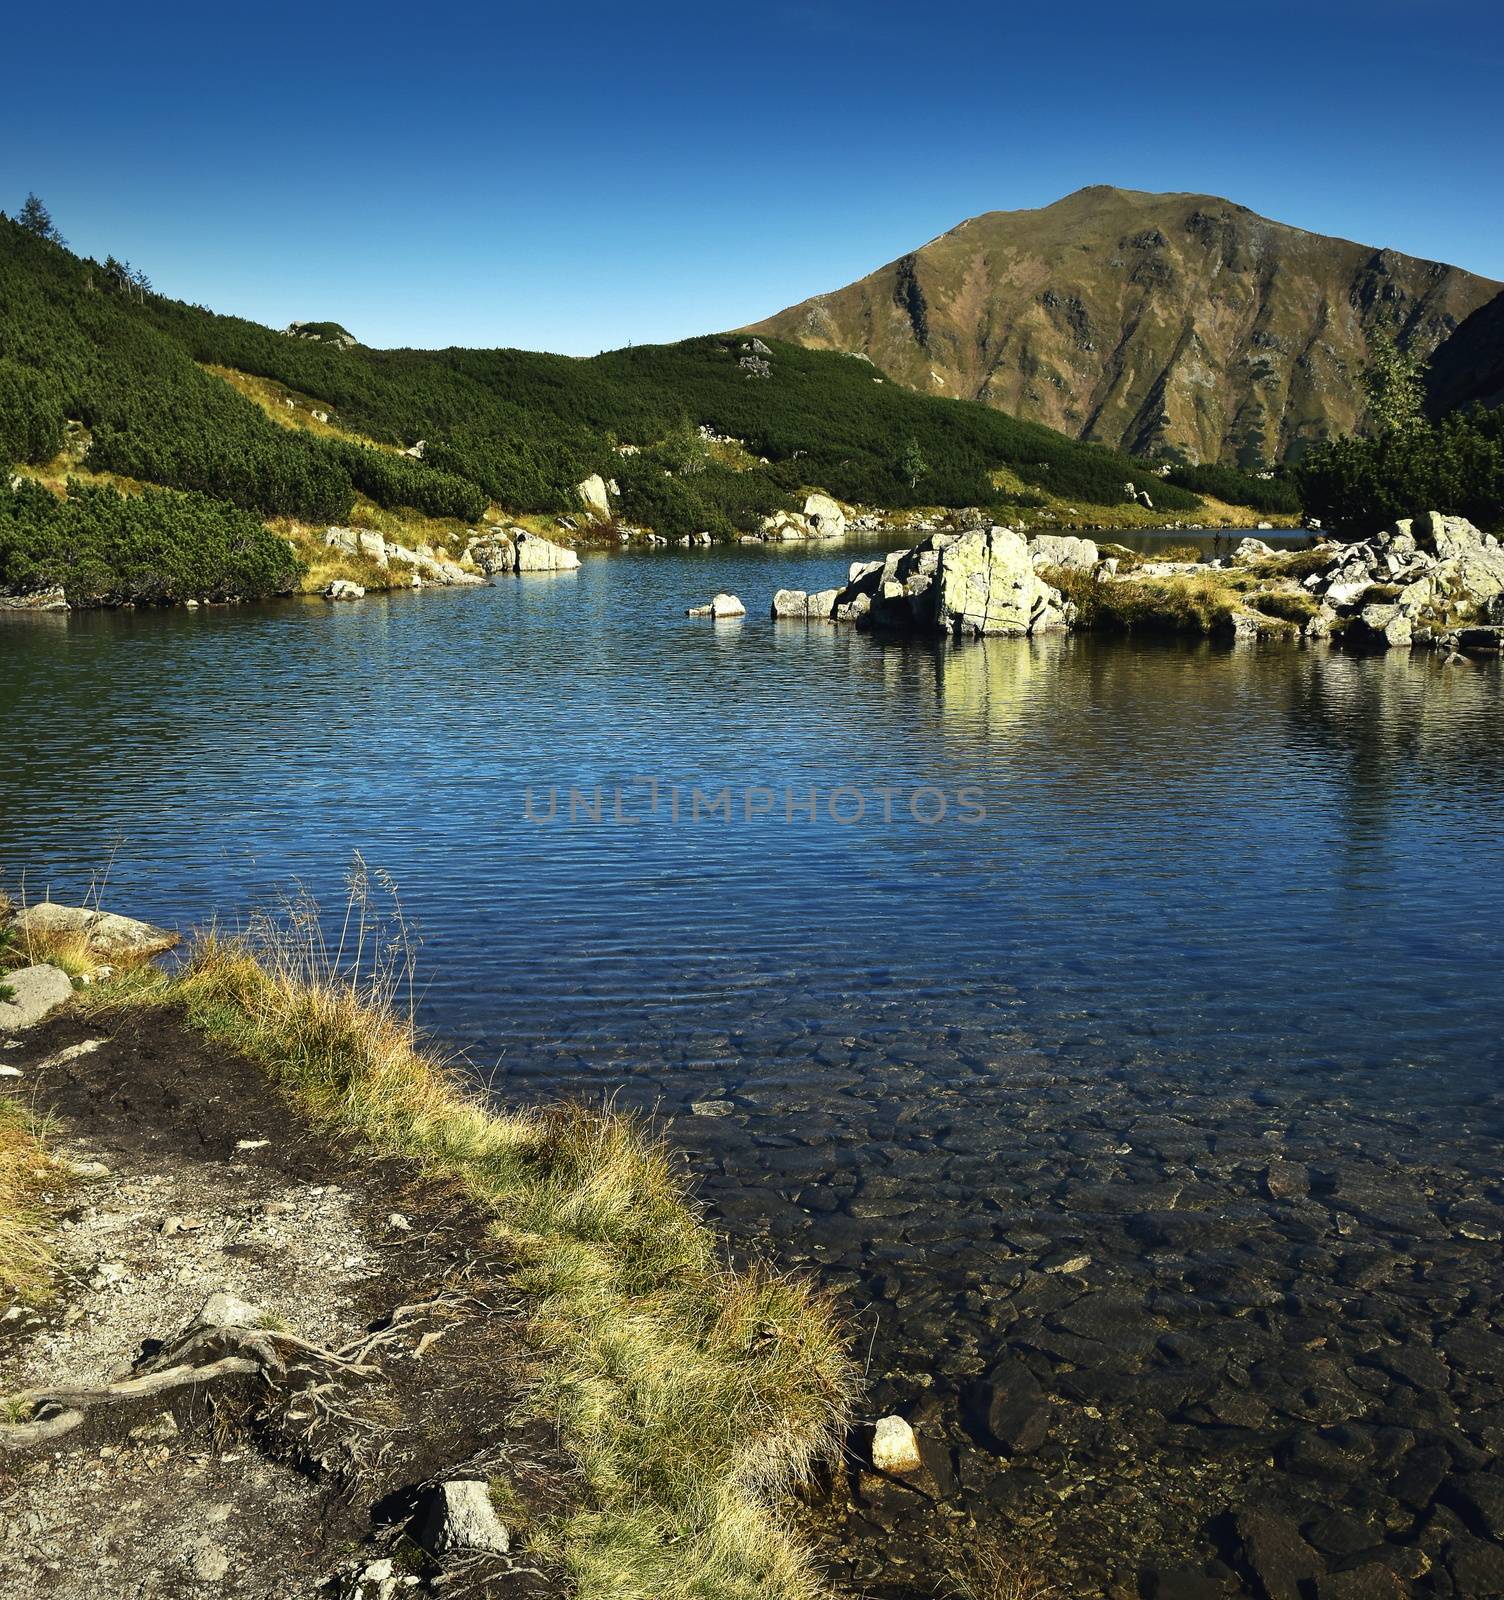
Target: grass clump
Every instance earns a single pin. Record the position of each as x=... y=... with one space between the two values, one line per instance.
x=691 y=1395
x=25 y=1168
x=993 y=1569
x=1185 y=603
x=1291 y=605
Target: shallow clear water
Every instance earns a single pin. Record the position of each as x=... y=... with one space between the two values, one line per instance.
x=1222 y=904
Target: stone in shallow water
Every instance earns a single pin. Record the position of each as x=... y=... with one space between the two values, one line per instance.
x=895 y=1448
x=1281 y=1560
x=1008 y=1409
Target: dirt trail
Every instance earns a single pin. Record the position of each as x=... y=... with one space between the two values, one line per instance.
x=388 y=1354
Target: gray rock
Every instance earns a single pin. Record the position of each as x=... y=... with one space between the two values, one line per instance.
x=895 y=1449
x=723 y=605
x=460 y=1516
x=35 y=991
x=343 y=589
x=825 y=517
x=537 y=554
x=225 y=1310
x=593 y=496
x=53 y=599
x=106 y=932
x=1379 y=627
x=1063 y=550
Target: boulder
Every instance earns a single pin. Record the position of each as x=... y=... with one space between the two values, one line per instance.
x=795 y=604
x=966 y=584
x=106 y=933
x=459 y=1516
x=593 y=496
x=895 y=1449
x=35 y=991
x=225 y=1310
x=343 y=589
x=1250 y=551
x=37 y=600
x=1379 y=627
x=494 y=555
x=723 y=605
x=985 y=584
x=1063 y=550
x=1008 y=1410
x=786 y=525
x=824 y=516
x=537 y=554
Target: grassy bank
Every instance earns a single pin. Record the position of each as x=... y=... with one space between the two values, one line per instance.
x=1198 y=604
x=690 y=1395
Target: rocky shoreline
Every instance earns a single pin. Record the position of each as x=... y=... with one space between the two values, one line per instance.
x=308 y=1319
x=1431 y=580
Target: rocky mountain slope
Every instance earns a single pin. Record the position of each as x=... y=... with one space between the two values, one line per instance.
x=1469 y=367
x=1157 y=323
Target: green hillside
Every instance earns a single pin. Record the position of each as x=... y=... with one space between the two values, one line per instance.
x=98 y=371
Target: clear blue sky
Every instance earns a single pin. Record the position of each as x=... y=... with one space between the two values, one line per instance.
x=575 y=176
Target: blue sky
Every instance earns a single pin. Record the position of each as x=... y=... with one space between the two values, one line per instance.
x=574 y=177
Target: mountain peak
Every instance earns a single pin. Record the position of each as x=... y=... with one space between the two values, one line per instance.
x=1176 y=323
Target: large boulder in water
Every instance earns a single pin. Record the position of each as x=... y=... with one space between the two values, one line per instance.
x=971 y=584
x=537 y=554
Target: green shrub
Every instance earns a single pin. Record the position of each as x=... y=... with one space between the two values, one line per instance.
x=1357 y=486
x=105 y=548
x=1276 y=496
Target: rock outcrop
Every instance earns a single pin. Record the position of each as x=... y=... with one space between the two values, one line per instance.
x=423 y=565
x=594 y=498
x=973 y=584
x=1422 y=578
x=825 y=518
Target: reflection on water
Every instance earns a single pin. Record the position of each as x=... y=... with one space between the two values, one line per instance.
x=1230 y=912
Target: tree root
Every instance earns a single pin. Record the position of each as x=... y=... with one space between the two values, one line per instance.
x=48 y=1413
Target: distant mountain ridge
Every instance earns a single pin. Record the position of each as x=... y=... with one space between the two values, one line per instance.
x=1159 y=324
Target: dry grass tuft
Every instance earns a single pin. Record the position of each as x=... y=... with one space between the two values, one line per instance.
x=25 y=1260
x=993 y=1569
x=691 y=1395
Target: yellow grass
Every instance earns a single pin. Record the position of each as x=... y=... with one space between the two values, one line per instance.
x=272 y=397
x=25 y=1260
x=691 y=1395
